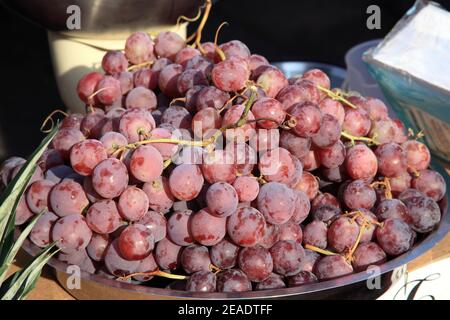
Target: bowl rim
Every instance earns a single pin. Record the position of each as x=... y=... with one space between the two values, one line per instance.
x=430 y=240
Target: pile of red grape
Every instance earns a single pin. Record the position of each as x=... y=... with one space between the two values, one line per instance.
x=205 y=163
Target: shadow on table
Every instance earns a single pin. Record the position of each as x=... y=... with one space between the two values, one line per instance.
x=22 y=258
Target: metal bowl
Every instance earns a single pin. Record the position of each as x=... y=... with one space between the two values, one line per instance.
x=353 y=286
x=105 y=19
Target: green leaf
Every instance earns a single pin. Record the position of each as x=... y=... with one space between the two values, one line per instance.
x=10 y=197
x=19 y=284
x=9 y=201
x=9 y=249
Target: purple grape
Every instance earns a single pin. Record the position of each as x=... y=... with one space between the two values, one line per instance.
x=330 y=267
x=206 y=228
x=430 y=183
x=417 y=155
x=296 y=145
x=273 y=281
x=302 y=207
x=146 y=265
x=276 y=202
x=291 y=231
x=368 y=254
x=308 y=119
x=136 y=242
x=342 y=234
x=231 y=74
x=222 y=199
x=114 y=61
x=246 y=226
x=117 y=265
x=333 y=156
x=139 y=48
x=359 y=194
x=96 y=248
x=224 y=254
x=141 y=97
x=178 y=228
x=195 y=258
x=424 y=213
x=67 y=198
x=85 y=155
x=167 y=254
x=156 y=223
x=310 y=259
x=287 y=257
x=110 y=178
x=186 y=181
x=202 y=281
x=103 y=217
x=37 y=195
x=71 y=233
x=393 y=208
x=315 y=234
x=391 y=159
x=159 y=195
x=395 y=237
x=133 y=203
x=256 y=262
x=247 y=188
x=168 y=44
x=302 y=278
x=233 y=280
x=40 y=235
x=329 y=132
x=326 y=213
x=146 y=163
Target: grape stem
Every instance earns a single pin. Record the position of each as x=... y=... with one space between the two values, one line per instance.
x=177 y=100
x=248 y=105
x=349 y=256
x=337 y=96
x=386 y=185
x=167 y=163
x=49 y=118
x=219 y=51
x=355 y=138
x=214 y=269
x=264 y=119
x=140 y=65
x=196 y=143
x=261 y=179
x=417 y=136
x=357 y=213
x=187 y=19
x=414 y=171
x=97 y=92
x=198 y=37
x=318 y=250
x=157 y=273
x=231 y=101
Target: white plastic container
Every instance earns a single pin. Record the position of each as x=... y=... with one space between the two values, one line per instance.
x=74 y=57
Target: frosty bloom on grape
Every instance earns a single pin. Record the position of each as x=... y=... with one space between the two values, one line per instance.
x=74 y=279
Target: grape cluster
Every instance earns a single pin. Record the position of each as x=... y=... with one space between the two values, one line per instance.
x=206 y=163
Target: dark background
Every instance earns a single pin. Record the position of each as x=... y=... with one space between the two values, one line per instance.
x=315 y=30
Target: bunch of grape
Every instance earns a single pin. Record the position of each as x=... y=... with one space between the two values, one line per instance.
x=206 y=163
